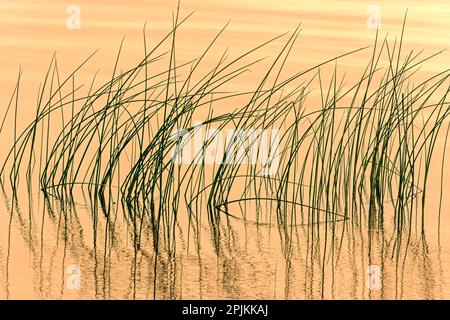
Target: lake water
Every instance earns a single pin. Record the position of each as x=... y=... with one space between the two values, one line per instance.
x=53 y=248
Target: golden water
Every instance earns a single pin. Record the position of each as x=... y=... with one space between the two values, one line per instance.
x=38 y=244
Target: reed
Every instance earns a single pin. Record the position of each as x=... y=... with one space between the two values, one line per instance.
x=361 y=157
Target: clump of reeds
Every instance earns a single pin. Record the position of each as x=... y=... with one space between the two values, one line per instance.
x=336 y=162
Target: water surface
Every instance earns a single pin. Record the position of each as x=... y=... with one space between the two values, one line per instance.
x=43 y=238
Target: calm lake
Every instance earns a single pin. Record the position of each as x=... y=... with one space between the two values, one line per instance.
x=357 y=206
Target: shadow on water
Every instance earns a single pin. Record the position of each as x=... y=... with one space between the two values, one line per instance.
x=118 y=259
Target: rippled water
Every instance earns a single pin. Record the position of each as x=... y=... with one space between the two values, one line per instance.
x=42 y=239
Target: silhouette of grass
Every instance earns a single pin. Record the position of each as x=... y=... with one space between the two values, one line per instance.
x=336 y=162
